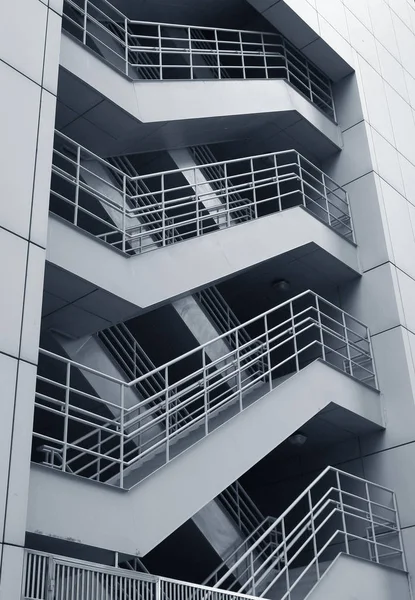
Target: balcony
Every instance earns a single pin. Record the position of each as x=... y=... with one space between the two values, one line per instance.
x=162 y=51
x=222 y=84
x=136 y=214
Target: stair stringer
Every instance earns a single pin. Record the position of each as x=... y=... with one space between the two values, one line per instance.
x=199 y=262
x=352 y=578
x=137 y=520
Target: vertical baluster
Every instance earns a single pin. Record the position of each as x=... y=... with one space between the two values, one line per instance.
x=268 y=351
x=205 y=393
x=346 y=538
x=297 y=360
x=124 y=207
x=218 y=54
x=190 y=46
x=320 y=325
x=126 y=42
x=326 y=199
x=160 y=51
x=398 y=527
x=254 y=197
x=346 y=339
x=313 y=533
x=84 y=36
x=300 y=174
x=122 y=430
x=167 y=413
x=277 y=179
x=242 y=55
x=228 y=207
x=66 y=417
x=77 y=183
x=238 y=366
x=163 y=209
x=264 y=53
x=372 y=524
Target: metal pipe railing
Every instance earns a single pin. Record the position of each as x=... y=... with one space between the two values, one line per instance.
x=136 y=214
x=338 y=512
x=164 y=51
x=196 y=391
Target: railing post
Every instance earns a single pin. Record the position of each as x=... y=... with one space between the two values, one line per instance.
x=160 y=52
x=346 y=338
x=300 y=174
x=122 y=429
x=218 y=55
x=189 y=35
x=205 y=393
x=51 y=578
x=84 y=33
x=242 y=55
x=100 y=452
x=369 y=339
x=251 y=560
x=238 y=366
x=369 y=505
x=163 y=211
x=78 y=177
x=326 y=198
x=398 y=526
x=346 y=539
x=167 y=412
x=268 y=351
x=297 y=360
x=285 y=554
x=277 y=179
x=124 y=201
x=66 y=417
x=127 y=49
x=320 y=325
x=254 y=198
x=265 y=56
x=313 y=533
x=228 y=207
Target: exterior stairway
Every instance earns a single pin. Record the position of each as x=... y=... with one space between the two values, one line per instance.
x=316 y=553
x=181 y=431
x=166 y=51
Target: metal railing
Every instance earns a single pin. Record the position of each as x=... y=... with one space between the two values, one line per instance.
x=337 y=512
x=241 y=508
x=164 y=51
x=262 y=552
x=143 y=213
x=114 y=435
x=52 y=577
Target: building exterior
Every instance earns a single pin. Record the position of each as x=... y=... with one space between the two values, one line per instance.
x=207 y=233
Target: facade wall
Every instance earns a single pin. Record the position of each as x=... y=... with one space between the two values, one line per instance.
x=376 y=112
x=29 y=56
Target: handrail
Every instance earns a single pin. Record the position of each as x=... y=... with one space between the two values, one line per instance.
x=158 y=51
x=319 y=525
x=43 y=573
x=155 y=210
x=346 y=504
x=196 y=391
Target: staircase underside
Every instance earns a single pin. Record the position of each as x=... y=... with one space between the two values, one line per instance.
x=305 y=33
x=119 y=116
x=78 y=287
x=65 y=506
